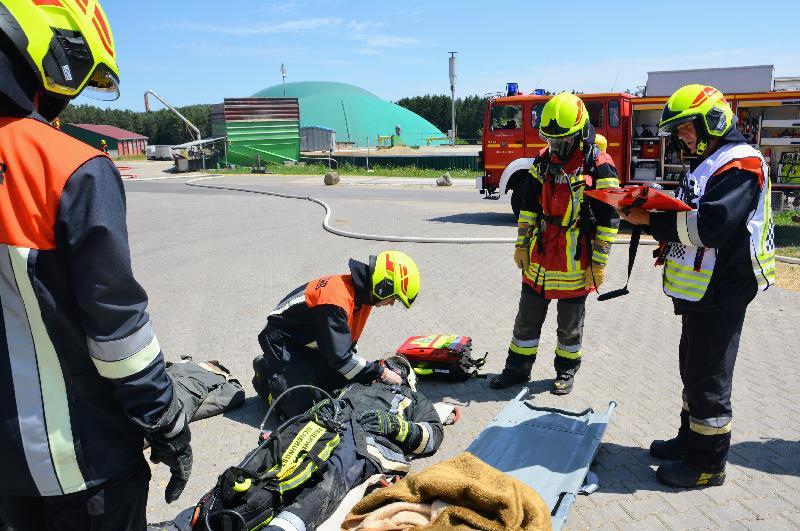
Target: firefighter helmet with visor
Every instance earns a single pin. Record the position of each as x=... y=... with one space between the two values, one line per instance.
x=705 y=107
x=394 y=274
x=564 y=124
x=68 y=45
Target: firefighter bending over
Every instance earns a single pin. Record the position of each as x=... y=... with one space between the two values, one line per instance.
x=716 y=258
x=311 y=336
x=563 y=240
x=82 y=376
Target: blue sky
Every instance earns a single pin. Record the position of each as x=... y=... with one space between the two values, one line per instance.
x=202 y=51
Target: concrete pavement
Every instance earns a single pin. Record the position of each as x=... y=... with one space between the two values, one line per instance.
x=214 y=263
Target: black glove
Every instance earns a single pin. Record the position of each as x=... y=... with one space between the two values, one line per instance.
x=172 y=447
x=169 y=438
x=381 y=422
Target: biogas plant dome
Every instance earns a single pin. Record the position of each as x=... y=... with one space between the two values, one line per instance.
x=354 y=113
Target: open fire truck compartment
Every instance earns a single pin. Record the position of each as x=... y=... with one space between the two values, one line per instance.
x=769 y=119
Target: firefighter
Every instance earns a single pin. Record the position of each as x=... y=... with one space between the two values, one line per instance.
x=376 y=428
x=563 y=241
x=311 y=336
x=716 y=258
x=601 y=142
x=104 y=146
x=82 y=376
x=386 y=425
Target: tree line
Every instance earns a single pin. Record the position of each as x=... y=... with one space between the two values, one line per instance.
x=436 y=108
x=163 y=127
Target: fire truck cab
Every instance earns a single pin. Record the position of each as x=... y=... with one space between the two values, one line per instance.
x=769 y=120
x=511 y=137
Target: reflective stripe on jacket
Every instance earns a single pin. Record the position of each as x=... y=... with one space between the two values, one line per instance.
x=78 y=354
x=690 y=264
x=551 y=224
x=323 y=315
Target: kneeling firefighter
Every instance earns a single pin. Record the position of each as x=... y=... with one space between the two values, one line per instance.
x=716 y=258
x=311 y=336
x=298 y=477
x=563 y=241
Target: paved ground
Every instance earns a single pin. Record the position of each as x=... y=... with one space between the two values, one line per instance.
x=215 y=263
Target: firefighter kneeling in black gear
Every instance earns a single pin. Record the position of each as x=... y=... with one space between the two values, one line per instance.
x=311 y=336
x=375 y=430
x=716 y=258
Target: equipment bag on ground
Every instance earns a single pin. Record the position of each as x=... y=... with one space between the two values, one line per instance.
x=443 y=357
x=248 y=496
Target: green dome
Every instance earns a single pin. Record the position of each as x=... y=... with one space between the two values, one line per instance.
x=354 y=113
x=303 y=89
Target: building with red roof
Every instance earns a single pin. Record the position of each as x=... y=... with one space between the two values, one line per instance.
x=120 y=142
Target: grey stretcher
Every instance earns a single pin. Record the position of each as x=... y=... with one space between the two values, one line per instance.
x=548 y=449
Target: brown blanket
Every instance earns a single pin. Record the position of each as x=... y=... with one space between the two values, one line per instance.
x=460 y=493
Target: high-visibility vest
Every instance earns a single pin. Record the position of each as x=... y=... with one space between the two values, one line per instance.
x=339 y=290
x=689 y=266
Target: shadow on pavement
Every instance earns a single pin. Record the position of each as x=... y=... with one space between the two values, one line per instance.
x=251 y=413
x=621 y=468
x=474 y=390
x=498 y=219
x=773 y=456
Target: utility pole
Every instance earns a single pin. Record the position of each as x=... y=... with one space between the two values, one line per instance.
x=453 y=94
x=283 y=75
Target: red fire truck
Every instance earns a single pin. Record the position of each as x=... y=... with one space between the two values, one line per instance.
x=770 y=121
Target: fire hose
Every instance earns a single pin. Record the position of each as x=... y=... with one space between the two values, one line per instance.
x=390 y=238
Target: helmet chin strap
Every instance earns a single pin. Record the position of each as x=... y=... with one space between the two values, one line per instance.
x=701 y=147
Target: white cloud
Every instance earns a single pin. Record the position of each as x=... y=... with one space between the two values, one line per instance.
x=367 y=51
x=290 y=26
x=387 y=41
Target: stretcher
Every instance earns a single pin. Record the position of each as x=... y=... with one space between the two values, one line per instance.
x=639 y=196
x=548 y=449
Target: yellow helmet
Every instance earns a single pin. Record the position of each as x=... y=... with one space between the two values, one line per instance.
x=564 y=124
x=564 y=115
x=601 y=142
x=703 y=105
x=394 y=274
x=67 y=43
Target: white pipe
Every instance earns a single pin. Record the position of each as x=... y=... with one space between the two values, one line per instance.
x=171 y=108
x=382 y=238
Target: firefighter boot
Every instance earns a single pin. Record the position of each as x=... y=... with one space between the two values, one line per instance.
x=507 y=378
x=673 y=449
x=517 y=371
x=563 y=383
x=565 y=377
x=684 y=476
x=669 y=450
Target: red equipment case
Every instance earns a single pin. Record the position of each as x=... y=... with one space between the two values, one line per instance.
x=445 y=356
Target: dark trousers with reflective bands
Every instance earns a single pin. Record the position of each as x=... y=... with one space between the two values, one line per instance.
x=528 y=328
x=707 y=354
x=118 y=504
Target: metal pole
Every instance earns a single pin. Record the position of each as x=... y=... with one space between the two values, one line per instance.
x=283 y=75
x=453 y=94
x=367 y=154
x=171 y=108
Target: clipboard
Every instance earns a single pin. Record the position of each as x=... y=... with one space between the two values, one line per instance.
x=641 y=196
